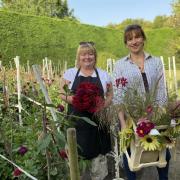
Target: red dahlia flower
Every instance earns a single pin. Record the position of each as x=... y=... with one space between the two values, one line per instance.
x=60 y=108
x=149 y=109
x=88 y=98
x=23 y=150
x=144 y=127
x=17 y=172
x=123 y=81
x=63 y=154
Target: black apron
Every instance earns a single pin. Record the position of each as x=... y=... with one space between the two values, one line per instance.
x=145 y=81
x=91 y=140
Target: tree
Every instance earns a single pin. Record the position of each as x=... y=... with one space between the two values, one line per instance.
x=176 y=12
x=61 y=9
x=126 y=22
x=176 y=22
x=161 y=21
x=52 y=8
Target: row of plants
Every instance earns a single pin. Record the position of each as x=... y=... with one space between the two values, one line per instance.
x=36 y=146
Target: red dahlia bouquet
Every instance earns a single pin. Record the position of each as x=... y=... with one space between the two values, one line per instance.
x=88 y=98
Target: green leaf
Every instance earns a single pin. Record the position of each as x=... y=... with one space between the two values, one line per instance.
x=88 y=121
x=65 y=87
x=50 y=105
x=61 y=137
x=53 y=171
x=84 y=119
x=44 y=143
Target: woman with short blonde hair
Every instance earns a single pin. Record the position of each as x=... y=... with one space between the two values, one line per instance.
x=94 y=141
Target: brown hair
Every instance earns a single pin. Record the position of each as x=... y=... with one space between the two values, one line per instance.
x=85 y=47
x=137 y=29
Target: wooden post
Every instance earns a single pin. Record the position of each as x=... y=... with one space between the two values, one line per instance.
x=162 y=59
x=108 y=65
x=44 y=90
x=46 y=67
x=16 y=59
x=117 y=175
x=175 y=79
x=10 y=64
x=5 y=89
x=170 y=73
x=65 y=65
x=72 y=154
x=50 y=69
x=115 y=153
x=43 y=69
x=28 y=68
x=113 y=63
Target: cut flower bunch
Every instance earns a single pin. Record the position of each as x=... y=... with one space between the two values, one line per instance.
x=149 y=125
x=153 y=131
x=88 y=98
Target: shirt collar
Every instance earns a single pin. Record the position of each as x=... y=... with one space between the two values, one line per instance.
x=147 y=56
x=92 y=75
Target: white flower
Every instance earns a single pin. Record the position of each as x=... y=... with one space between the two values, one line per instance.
x=173 y=122
x=154 y=132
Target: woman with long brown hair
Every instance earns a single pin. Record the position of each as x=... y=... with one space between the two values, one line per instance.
x=142 y=71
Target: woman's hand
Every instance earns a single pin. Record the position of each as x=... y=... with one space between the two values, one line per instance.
x=122 y=120
x=63 y=95
x=67 y=99
x=108 y=95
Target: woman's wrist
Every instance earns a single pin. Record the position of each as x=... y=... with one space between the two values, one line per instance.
x=67 y=99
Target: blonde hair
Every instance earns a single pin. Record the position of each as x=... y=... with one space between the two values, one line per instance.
x=85 y=48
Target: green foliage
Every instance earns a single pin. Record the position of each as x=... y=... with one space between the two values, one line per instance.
x=30 y=134
x=162 y=21
x=33 y=38
x=102 y=56
x=51 y=8
x=126 y=22
x=160 y=43
x=176 y=12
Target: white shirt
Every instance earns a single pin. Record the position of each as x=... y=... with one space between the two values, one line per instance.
x=103 y=75
x=154 y=72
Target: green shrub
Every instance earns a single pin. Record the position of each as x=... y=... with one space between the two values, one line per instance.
x=35 y=37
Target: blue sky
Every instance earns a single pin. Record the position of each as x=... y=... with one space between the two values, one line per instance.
x=103 y=12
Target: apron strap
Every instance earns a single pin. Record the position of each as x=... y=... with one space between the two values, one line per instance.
x=145 y=81
x=75 y=78
x=99 y=80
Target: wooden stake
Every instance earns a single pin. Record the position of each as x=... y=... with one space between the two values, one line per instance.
x=16 y=59
x=72 y=154
x=175 y=79
x=37 y=73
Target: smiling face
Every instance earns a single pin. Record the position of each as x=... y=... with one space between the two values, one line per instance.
x=134 y=38
x=87 y=59
x=135 y=43
x=86 y=56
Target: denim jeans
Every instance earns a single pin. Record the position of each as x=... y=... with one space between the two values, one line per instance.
x=163 y=172
x=98 y=169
